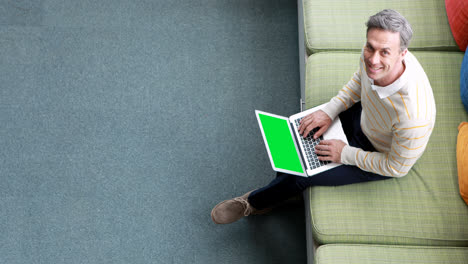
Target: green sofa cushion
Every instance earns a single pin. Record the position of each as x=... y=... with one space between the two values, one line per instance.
x=340 y=25
x=376 y=254
x=422 y=208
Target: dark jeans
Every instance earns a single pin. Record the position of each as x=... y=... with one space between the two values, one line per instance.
x=285 y=186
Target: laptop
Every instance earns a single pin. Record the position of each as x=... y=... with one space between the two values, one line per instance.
x=291 y=153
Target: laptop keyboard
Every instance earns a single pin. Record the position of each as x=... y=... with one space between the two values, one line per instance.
x=309 y=144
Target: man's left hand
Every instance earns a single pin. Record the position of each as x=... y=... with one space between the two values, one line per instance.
x=330 y=150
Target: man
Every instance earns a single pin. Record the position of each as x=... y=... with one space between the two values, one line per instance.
x=387 y=111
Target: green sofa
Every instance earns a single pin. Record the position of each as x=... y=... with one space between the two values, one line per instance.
x=419 y=218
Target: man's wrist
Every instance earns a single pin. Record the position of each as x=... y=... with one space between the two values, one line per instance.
x=348 y=155
x=330 y=111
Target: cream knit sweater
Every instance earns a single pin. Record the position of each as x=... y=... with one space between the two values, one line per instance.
x=397 y=119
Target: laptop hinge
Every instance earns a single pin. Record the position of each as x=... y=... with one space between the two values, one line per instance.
x=304 y=161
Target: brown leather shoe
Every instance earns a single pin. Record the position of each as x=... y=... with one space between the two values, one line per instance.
x=230 y=211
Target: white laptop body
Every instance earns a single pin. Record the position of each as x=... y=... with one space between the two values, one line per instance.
x=288 y=151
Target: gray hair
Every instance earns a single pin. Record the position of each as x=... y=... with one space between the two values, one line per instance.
x=391 y=20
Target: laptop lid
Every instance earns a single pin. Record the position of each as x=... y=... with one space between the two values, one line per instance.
x=282 y=148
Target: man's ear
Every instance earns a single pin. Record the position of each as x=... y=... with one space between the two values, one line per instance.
x=403 y=53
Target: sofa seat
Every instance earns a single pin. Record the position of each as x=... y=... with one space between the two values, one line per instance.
x=377 y=254
x=332 y=25
x=422 y=208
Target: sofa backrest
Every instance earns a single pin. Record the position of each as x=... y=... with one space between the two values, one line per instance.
x=340 y=25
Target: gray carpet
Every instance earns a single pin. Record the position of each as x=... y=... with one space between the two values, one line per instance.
x=123 y=122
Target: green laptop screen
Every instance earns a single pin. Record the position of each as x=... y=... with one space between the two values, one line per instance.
x=280 y=143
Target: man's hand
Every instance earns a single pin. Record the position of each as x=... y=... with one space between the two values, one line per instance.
x=316 y=119
x=330 y=150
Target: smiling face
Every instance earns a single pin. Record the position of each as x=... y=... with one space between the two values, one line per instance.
x=382 y=56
